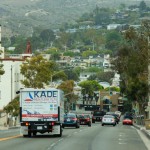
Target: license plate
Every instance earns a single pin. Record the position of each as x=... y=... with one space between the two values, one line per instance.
x=39 y=127
x=68 y=119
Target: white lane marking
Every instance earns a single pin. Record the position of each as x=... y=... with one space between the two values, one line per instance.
x=53 y=144
x=80 y=130
x=120 y=139
x=75 y=132
x=60 y=139
x=122 y=143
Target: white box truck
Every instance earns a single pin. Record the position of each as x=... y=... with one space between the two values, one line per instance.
x=41 y=110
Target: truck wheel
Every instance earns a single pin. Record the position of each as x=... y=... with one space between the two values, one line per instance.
x=29 y=134
x=77 y=125
x=34 y=133
x=89 y=124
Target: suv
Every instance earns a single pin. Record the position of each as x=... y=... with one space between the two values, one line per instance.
x=71 y=120
x=98 y=115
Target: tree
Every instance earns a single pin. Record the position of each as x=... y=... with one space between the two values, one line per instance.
x=132 y=62
x=37 y=71
x=47 y=36
x=113 y=40
x=68 y=88
x=1 y=67
x=13 y=107
x=89 y=86
x=142 y=6
x=72 y=75
x=105 y=76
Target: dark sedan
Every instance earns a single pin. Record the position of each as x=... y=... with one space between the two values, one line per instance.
x=85 y=120
x=71 y=120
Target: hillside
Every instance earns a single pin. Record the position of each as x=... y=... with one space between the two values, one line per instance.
x=22 y=17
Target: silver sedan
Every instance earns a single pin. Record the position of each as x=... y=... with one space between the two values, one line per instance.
x=108 y=120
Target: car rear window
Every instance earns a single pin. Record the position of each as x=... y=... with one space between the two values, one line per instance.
x=70 y=116
x=98 y=113
x=83 y=116
x=108 y=116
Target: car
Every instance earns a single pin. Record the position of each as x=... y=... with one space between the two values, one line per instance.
x=129 y=115
x=108 y=120
x=117 y=118
x=127 y=121
x=85 y=119
x=71 y=120
x=118 y=113
x=97 y=116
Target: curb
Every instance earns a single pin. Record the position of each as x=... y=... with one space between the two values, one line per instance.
x=7 y=128
x=14 y=127
x=146 y=133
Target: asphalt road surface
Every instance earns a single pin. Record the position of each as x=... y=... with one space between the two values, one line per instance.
x=97 y=137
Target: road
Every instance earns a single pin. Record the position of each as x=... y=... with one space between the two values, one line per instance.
x=85 y=138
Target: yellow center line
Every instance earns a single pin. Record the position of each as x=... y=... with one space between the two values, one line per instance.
x=8 y=138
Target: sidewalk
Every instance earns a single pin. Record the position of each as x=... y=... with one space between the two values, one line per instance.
x=143 y=129
x=6 y=128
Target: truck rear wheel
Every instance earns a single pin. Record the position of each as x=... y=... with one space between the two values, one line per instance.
x=34 y=133
x=93 y=121
x=29 y=134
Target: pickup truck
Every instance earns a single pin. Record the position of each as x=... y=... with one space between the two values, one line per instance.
x=97 y=116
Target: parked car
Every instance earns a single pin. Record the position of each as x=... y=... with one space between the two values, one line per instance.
x=108 y=120
x=71 y=120
x=85 y=119
x=127 y=121
x=98 y=115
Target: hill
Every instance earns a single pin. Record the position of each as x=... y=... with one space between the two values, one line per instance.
x=23 y=17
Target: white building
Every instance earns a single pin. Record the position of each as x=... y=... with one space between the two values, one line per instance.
x=112 y=26
x=9 y=81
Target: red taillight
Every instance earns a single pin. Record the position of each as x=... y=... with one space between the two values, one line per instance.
x=27 y=124
x=52 y=123
x=87 y=119
x=74 y=119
